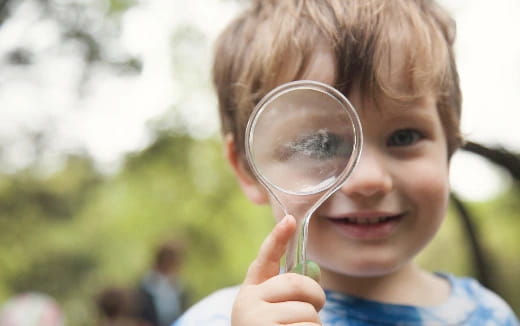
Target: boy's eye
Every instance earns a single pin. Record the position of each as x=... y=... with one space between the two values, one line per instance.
x=404 y=137
x=321 y=145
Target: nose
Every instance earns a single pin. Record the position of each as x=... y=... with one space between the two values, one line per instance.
x=370 y=177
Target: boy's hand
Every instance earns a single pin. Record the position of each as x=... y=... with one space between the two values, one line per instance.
x=267 y=298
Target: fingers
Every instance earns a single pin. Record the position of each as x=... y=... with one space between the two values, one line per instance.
x=293 y=312
x=293 y=287
x=267 y=298
x=267 y=263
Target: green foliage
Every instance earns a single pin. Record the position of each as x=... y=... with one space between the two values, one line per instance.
x=119 y=6
x=499 y=222
x=84 y=232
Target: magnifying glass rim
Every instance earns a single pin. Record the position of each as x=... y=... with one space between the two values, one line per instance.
x=314 y=86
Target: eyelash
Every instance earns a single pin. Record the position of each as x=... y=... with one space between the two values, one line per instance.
x=415 y=134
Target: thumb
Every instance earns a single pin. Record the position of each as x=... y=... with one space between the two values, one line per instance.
x=267 y=262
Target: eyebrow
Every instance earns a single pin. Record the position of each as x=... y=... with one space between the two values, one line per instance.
x=428 y=119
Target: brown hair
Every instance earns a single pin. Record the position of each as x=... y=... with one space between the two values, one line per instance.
x=273 y=41
x=168 y=255
x=116 y=302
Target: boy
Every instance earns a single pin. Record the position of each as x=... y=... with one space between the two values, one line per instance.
x=394 y=60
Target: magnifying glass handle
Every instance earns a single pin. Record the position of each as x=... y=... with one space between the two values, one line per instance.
x=295 y=257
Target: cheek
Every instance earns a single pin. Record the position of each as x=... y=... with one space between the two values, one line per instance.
x=429 y=188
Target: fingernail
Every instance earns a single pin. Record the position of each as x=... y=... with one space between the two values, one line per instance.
x=285 y=220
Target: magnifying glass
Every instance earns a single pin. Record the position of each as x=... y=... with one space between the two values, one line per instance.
x=302 y=141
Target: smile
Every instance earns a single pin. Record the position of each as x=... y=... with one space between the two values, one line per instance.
x=367 y=225
x=366 y=221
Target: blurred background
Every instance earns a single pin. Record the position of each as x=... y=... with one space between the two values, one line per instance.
x=110 y=146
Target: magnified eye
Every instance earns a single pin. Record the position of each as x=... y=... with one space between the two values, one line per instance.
x=404 y=137
x=321 y=145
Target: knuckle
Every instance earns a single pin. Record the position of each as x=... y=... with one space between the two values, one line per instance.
x=309 y=312
x=306 y=287
x=320 y=300
x=245 y=309
x=294 y=282
x=246 y=294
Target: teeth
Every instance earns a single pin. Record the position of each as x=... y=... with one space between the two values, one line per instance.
x=365 y=221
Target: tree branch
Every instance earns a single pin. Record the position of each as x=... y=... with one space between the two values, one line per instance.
x=481 y=262
x=499 y=155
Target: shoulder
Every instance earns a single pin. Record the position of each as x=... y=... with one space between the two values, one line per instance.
x=486 y=305
x=215 y=309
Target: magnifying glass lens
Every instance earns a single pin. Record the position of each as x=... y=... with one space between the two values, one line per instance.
x=303 y=141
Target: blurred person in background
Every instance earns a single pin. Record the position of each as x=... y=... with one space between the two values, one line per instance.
x=31 y=309
x=162 y=297
x=118 y=307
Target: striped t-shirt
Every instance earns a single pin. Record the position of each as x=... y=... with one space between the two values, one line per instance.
x=469 y=304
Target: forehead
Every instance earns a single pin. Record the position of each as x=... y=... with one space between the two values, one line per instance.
x=321 y=66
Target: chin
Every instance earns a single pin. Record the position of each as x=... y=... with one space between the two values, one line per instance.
x=364 y=268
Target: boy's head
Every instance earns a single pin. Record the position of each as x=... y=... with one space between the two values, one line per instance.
x=394 y=60
x=397 y=50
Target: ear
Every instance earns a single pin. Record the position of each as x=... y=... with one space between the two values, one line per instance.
x=250 y=186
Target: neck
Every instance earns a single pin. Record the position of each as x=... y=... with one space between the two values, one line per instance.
x=409 y=285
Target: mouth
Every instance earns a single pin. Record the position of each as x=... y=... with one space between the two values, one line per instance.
x=367 y=225
x=361 y=220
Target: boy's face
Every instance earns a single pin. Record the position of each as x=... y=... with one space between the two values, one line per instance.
x=396 y=198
